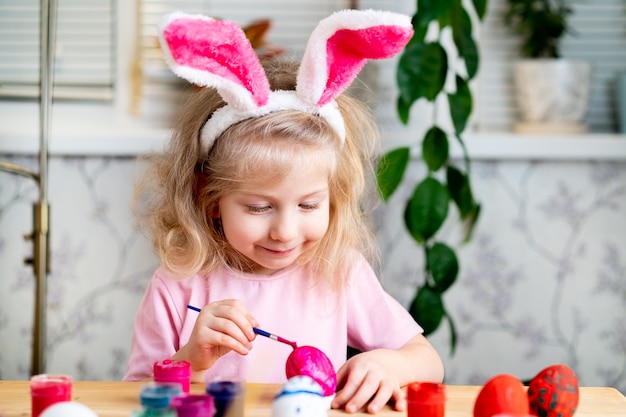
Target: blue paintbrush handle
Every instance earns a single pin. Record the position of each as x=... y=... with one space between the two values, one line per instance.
x=257 y=331
x=262 y=332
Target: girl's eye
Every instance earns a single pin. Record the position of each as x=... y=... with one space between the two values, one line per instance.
x=309 y=206
x=257 y=209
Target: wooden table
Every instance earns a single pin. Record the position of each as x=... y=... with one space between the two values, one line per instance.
x=117 y=399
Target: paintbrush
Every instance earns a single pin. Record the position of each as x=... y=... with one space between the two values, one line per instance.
x=259 y=332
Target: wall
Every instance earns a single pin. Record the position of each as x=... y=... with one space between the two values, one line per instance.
x=543 y=281
x=99 y=268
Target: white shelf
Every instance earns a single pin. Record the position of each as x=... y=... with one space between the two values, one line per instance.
x=117 y=141
x=132 y=141
x=518 y=146
x=509 y=146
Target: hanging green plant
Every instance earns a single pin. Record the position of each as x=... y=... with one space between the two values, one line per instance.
x=422 y=72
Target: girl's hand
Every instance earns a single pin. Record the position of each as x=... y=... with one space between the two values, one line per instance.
x=368 y=378
x=221 y=326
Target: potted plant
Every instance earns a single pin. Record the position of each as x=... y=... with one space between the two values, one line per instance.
x=424 y=67
x=551 y=93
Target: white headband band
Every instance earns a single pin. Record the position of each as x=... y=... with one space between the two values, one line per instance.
x=216 y=53
x=226 y=116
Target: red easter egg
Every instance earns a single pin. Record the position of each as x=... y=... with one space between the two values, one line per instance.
x=554 y=392
x=502 y=394
x=312 y=362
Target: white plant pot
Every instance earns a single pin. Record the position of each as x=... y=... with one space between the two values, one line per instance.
x=551 y=95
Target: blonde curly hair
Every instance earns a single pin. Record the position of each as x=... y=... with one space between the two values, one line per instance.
x=181 y=187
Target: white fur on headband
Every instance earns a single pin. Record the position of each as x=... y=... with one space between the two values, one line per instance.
x=216 y=53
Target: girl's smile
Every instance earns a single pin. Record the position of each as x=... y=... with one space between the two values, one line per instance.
x=273 y=224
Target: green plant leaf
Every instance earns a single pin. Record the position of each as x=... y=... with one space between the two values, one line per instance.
x=469 y=223
x=471 y=58
x=460 y=191
x=445 y=18
x=435 y=148
x=427 y=309
x=433 y=9
x=421 y=72
x=427 y=12
x=460 y=105
x=420 y=28
x=453 y=334
x=443 y=265
x=463 y=39
x=404 y=110
x=481 y=8
x=390 y=171
x=427 y=209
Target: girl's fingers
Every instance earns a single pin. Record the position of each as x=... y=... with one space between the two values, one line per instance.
x=370 y=390
x=399 y=399
x=381 y=398
x=226 y=324
x=369 y=387
x=235 y=313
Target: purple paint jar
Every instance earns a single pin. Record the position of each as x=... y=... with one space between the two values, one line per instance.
x=195 y=405
x=169 y=370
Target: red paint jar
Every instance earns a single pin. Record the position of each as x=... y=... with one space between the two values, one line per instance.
x=426 y=399
x=169 y=370
x=48 y=389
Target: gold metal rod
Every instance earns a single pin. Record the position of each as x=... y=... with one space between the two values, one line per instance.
x=41 y=209
x=17 y=169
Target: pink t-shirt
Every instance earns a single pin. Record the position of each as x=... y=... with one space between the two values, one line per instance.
x=289 y=303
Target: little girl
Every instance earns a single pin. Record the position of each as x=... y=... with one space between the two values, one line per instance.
x=255 y=210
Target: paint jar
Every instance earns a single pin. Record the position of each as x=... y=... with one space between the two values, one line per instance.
x=155 y=398
x=196 y=405
x=426 y=399
x=48 y=389
x=228 y=396
x=169 y=370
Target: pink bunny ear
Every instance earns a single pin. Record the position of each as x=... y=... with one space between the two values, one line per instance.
x=340 y=46
x=214 y=53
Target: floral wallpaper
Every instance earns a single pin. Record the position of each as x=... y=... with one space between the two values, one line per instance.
x=99 y=268
x=543 y=280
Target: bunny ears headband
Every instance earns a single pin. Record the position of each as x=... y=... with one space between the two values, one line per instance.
x=216 y=53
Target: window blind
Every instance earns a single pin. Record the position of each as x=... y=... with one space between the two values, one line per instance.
x=85 y=64
x=84 y=60
x=598 y=35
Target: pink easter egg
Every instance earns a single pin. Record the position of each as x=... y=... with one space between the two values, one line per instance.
x=312 y=362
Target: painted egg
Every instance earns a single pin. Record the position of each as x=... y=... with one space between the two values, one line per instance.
x=68 y=409
x=312 y=362
x=554 y=392
x=300 y=396
x=502 y=394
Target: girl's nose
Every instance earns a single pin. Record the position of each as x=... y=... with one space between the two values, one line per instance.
x=285 y=227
